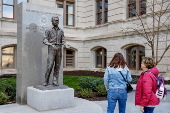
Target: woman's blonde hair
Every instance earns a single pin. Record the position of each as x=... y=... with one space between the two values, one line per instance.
x=148 y=62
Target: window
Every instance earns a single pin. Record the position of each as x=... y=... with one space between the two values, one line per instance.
x=134 y=56
x=9 y=8
x=101 y=58
x=68 y=9
x=102 y=11
x=8 y=57
x=136 y=6
x=69 y=57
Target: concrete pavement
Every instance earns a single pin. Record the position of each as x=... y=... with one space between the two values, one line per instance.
x=163 y=107
x=83 y=106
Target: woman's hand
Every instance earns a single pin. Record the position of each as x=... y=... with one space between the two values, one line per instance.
x=142 y=109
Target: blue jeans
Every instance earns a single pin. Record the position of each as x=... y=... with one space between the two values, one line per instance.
x=148 y=109
x=114 y=95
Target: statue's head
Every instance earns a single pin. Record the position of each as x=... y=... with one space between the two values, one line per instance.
x=55 y=20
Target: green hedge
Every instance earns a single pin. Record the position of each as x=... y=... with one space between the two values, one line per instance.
x=85 y=93
x=101 y=90
x=90 y=82
x=8 y=86
x=3 y=98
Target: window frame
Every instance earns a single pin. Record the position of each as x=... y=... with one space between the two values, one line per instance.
x=102 y=13
x=137 y=54
x=8 y=5
x=15 y=3
x=65 y=58
x=104 y=57
x=65 y=11
x=11 y=54
x=138 y=8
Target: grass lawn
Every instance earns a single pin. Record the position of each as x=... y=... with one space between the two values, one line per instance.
x=73 y=81
x=70 y=81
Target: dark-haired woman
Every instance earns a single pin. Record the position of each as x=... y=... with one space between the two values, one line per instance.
x=115 y=84
x=146 y=87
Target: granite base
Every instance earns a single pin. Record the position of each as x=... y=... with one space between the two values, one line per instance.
x=43 y=100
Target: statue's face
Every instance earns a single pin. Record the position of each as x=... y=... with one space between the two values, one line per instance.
x=55 y=21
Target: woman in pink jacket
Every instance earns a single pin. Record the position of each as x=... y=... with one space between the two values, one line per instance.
x=146 y=87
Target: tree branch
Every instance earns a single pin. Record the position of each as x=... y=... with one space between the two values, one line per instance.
x=143 y=36
x=158 y=29
x=163 y=54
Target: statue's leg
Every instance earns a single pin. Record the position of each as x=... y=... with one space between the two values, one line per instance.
x=57 y=66
x=50 y=63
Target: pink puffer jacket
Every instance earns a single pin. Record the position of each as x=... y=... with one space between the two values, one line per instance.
x=146 y=88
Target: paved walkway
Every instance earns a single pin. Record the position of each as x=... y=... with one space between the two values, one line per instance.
x=163 y=107
x=83 y=106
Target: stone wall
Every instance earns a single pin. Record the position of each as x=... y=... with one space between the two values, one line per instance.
x=86 y=36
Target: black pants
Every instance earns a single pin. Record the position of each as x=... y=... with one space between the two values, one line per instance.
x=54 y=60
x=148 y=109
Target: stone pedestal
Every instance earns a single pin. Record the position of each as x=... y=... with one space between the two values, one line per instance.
x=42 y=100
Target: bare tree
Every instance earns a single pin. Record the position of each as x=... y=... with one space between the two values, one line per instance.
x=159 y=13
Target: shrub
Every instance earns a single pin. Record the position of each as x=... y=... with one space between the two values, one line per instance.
x=8 y=86
x=85 y=93
x=134 y=80
x=90 y=82
x=2 y=86
x=101 y=90
x=11 y=91
x=3 y=98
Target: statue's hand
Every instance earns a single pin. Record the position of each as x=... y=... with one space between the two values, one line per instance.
x=55 y=47
x=66 y=45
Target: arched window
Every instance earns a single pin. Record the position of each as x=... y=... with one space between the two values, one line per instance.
x=134 y=56
x=101 y=58
x=69 y=58
x=9 y=57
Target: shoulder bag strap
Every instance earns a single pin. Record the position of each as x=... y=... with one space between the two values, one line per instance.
x=122 y=76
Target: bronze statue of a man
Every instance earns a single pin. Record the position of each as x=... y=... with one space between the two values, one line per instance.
x=54 y=38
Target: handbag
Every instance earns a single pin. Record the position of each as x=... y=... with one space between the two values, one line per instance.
x=129 y=88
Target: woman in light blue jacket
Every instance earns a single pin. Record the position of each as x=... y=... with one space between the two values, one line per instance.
x=115 y=84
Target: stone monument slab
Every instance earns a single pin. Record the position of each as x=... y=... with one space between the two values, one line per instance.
x=32 y=54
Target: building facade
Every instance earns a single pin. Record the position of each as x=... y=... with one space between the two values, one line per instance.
x=95 y=30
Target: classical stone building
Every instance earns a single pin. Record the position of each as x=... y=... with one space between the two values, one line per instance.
x=95 y=30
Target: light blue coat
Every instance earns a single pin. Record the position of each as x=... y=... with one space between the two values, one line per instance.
x=112 y=78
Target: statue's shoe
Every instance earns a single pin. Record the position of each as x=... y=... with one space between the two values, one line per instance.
x=55 y=84
x=45 y=84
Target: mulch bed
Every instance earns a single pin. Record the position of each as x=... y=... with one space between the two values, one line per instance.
x=96 y=74
x=84 y=73
x=8 y=76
